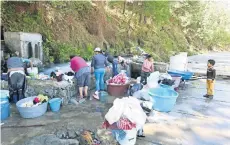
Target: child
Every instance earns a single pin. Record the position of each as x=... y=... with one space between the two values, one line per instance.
x=147 y=68
x=211 y=75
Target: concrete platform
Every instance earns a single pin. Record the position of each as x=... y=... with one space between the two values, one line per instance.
x=193 y=121
x=198 y=63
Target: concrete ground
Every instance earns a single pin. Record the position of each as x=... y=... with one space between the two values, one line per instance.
x=193 y=120
x=198 y=63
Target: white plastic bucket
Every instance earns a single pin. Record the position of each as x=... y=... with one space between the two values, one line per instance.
x=33 y=71
x=179 y=62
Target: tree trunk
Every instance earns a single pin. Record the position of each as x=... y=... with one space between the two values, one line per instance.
x=124 y=7
x=140 y=19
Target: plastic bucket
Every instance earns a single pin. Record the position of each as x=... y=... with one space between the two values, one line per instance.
x=177 y=79
x=163 y=99
x=55 y=104
x=103 y=97
x=31 y=112
x=5 y=110
x=4 y=96
x=4 y=76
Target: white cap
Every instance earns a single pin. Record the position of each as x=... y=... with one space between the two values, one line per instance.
x=97 y=49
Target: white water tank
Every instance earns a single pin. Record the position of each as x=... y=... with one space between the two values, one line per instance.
x=179 y=62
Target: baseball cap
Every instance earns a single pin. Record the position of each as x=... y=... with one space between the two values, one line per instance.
x=97 y=49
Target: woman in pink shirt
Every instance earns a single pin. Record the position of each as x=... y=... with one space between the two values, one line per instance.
x=82 y=74
x=147 y=68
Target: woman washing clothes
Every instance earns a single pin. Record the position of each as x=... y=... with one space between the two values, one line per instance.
x=16 y=77
x=98 y=66
x=82 y=75
x=147 y=68
x=114 y=63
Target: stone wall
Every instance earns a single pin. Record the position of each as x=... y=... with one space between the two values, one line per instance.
x=52 y=88
x=136 y=65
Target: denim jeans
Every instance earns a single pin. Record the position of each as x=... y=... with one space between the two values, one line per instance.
x=115 y=71
x=99 y=76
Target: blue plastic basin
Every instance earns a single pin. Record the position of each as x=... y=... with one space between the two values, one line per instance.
x=5 y=110
x=31 y=112
x=55 y=104
x=166 y=86
x=184 y=74
x=163 y=98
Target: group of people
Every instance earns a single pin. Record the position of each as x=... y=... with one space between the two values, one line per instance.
x=99 y=66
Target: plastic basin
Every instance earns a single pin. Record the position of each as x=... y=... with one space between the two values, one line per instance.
x=55 y=104
x=31 y=112
x=166 y=86
x=163 y=98
x=5 y=110
x=184 y=74
x=117 y=90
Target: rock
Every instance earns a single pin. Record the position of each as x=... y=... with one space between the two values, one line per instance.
x=72 y=134
x=62 y=133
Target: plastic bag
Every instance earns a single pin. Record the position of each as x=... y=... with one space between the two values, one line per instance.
x=165 y=76
x=134 y=88
x=130 y=138
x=115 y=112
x=133 y=111
x=152 y=80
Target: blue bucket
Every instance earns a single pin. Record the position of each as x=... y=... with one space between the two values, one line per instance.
x=5 y=110
x=163 y=99
x=103 y=96
x=4 y=96
x=55 y=104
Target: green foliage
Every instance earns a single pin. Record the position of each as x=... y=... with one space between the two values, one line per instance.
x=159 y=10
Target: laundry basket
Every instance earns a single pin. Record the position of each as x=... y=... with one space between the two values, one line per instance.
x=31 y=112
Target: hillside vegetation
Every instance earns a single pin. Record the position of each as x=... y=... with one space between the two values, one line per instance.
x=160 y=27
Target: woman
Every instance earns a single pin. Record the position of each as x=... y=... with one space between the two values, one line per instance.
x=82 y=75
x=98 y=65
x=114 y=63
x=147 y=68
x=16 y=77
x=124 y=66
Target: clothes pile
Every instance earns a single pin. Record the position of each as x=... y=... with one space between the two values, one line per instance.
x=166 y=79
x=119 y=79
x=37 y=101
x=125 y=118
x=42 y=76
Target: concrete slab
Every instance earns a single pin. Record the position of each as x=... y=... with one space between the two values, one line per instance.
x=193 y=120
x=198 y=63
